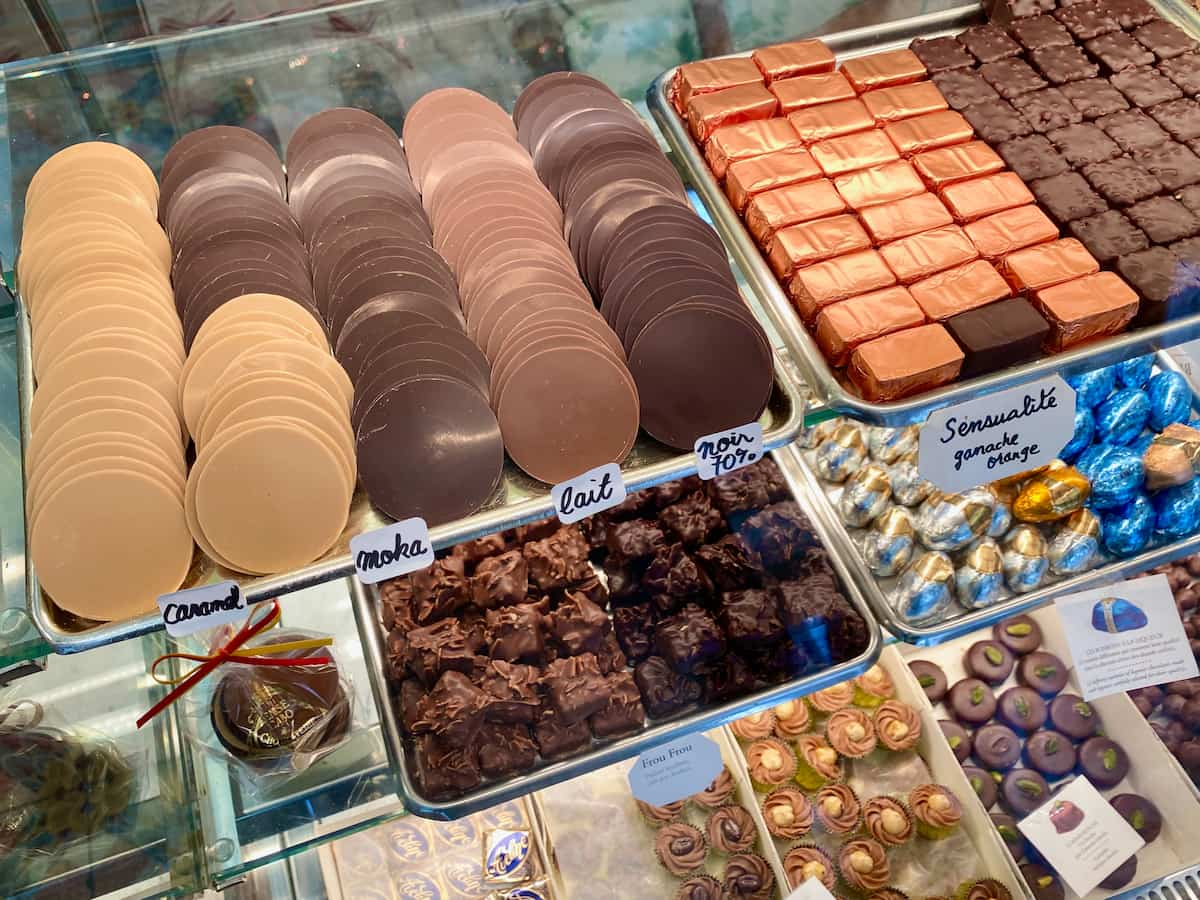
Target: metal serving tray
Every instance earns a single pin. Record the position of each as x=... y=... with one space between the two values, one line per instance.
x=828 y=388
x=602 y=753
x=795 y=463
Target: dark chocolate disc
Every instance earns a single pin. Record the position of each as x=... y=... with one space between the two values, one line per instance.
x=477 y=371
x=655 y=270
x=541 y=118
x=369 y=323
x=395 y=363
x=578 y=154
x=536 y=92
x=204 y=185
x=360 y=290
x=212 y=163
x=215 y=137
x=338 y=119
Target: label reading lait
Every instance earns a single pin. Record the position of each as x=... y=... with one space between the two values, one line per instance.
x=1126 y=636
x=198 y=608
x=584 y=495
x=675 y=770
x=1081 y=835
x=394 y=550
x=723 y=451
x=997 y=435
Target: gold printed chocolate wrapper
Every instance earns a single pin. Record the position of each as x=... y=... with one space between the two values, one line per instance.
x=1024 y=559
x=1052 y=495
x=865 y=495
x=841 y=453
x=887 y=546
x=951 y=521
x=1075 y=545
x=1173 y=457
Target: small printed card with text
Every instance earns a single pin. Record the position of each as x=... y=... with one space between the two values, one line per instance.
x=1126 y=636
x=722 y=452
x=675 y=770
x=198 y=608
x=1081 y=835
x=393 y=550
x=585 y=495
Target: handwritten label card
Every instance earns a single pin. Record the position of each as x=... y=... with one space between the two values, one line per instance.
x=391 y=551
x=997 y=435
x=810 y=889
x=675 y=770
x=198 y=608
x=1082 y=837
x=1125 y=636
x=587 y=494
x=722 y=452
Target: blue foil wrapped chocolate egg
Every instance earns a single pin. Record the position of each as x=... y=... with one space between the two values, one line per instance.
x=1121 y=418
x=1127 y=529
x=841 y=453
x=1170 y=399
x=1091 y=388
x=1024 y=558
x=1135 y=372
x=908 y=487
x=889 y=444
x=1075 y=546
x=926 y=589
x=1085 y=430
x=1177 y=510
x=1115 y=473
x=979 y=579
x=951 y=521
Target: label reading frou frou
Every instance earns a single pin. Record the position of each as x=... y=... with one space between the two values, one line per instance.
x=393 y=550
x=198 y=608
x=585 y=495
x=721 y=452
x=997 y=435
x=675 y=770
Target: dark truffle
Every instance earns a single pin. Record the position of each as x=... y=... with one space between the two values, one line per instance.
x=1044 y=672
x=1050 y=753
x=1109 y=235
x=1062 y=64
x=1172 y=163
x=1046 y=110
x=500 y=580
x=1020 y=634
x=634 y=629
x=1066 y=197
x=506 y=750
x=691 y=520
x=1181 y=118
x=1103 y=761
x=1132 y=130
x=1084 y=143
x=624 y=711
x=1011 y=77
x=941 y=53
x=997 y=747
x=962 y=89
x=1140 y=813
x=664 y=691
x=1094 y=97
x=983 y=785
x=444 y=771
x=672 y=577
x=958 y=738
x=1006 y=825
x=971 y=701
x=989 y=661
x=930 y=677
x=1118 y=51
x=1032 y=157
x=515 y=633
x=988 y=43
x=1122 y=181
x=727 y=678
x=750 y=618
x=1041 y=31
x=742 y=490
x=635 y=539
x=1043 y=882
x=997 y=121
x=729 y=564
x=1021 y=708
x=689 y=639
x=778 y=534
x=1073 y=717
x=1023 y=791
x=556 y=737
x=1164 y=39
x=1164 y=219
x=1145 y=87
x=1087 y=20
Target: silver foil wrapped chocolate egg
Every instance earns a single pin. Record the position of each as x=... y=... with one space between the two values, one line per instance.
x=1075 y=546
x=1024 y=559
x=889 y=444
x=1127 y=529
x=1170 y=399
x=888 y=544
x=865 y=495
x=908 y=487
x=841 y=453
x=926 y=589
x=979 y=579
x=818 y=434
x=951 y=521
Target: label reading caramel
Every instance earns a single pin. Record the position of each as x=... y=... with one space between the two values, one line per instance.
x=675 y=770
x=587 y=494
x=723 y=451
x=198 y=608
x=393 y=550
x=997 y=435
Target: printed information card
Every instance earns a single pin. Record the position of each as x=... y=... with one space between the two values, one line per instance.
x=675 y=770
x=584 y=495
x=725 y=451
x=207 y=606
x=997 y=435
x=1082 y=837
x=1125 y=636
x=811 y=889
x=391 y=551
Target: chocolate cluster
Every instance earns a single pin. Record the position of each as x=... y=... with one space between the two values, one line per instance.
x=530 y=644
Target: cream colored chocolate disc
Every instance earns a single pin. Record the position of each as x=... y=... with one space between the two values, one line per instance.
x=66 y=472
x=252 y=386
x=60 y=245
x=95 y=257
x=49 y=343
x=198 y=535
x=101 y=273
x=108 y=156
x=247 y=307
x=135 y=222
x=98 y=413
x=114 y=361
x=285 y=357
x=140 y=289
x=105 y=443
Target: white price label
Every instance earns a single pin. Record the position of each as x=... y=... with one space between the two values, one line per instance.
x=997 y=435
x=198 y=608
x=723 y=451
x=392 y=551
x=585 y=495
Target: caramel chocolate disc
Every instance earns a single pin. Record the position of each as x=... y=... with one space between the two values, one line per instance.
x=108 y=157
x=62 y=472
x=92 y=414
x=108 y=444
x=98 y=361
x=55 y=338
x=251 y=386
x=265 y=308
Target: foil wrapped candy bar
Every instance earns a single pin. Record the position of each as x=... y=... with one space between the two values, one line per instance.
x=1024 y=559
x=926 y=589
x=1177 y=510
x=1127 y=529
x=1173 y=457
x=1116 y=474
x=1091 y=388
x=865 y=495
x=1052 y=494
x=1081 y=439
x=979 y=581
x=841 y=453
x=1076 y=544
x=889 y=444
x=888 y=545
x=1122 y=417
x=951 y=521
x=1135 y=372
x=1170 y=399
x=908 y=487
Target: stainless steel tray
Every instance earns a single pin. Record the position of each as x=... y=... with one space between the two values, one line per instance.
x=602 y=753
x=518 y=500
x=795 y=463
x=828 y=388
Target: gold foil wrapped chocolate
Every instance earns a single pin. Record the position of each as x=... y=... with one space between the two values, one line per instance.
x=818 y=434
x=1052 y=494
x=1076 y=544
x=887 y=546
x=889 y=444
x=951 y=521
x=1024 y=559
x=979 y=580
x=865 y=495
x=908 y=487
x=1173 y=457
x=841 y=453
x=926 y=589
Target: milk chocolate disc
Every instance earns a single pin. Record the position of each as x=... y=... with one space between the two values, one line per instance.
x=485 y=181
x=512 y=273
x=492 y=250
x=527 y=301
x=428 y=111
x=511 y=325
x=537 y=340
x=450 y=158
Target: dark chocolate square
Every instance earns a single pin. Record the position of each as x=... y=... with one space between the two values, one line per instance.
x=1067 y=197
x=1040 y=32
x=1003 y=12
x=1166 y=40
x=1083 y=144
x=1145 y=86
x=1150 y=272
x=1087 y=20
x=750 y=618
x=576 y=687
x=692 y=519
x=1063 y=64
x=1133 y=130
x=689 y=639
x=1032 y=157
x=1184 y=72
x=1047 y=110
x=1119 y=51
x=1173 y=164
x=996 y=122
x=962 y=88
x=1011 y=77
x=624 y=712
x=505 y=750
x=998 y=335
x=1187 y=250
x=1094 y=97
x=988 y=43
x=663 y=690
x=1131 y=13
x=1164 y=219
x=1181 y=118
x=556 y=737
x=1109 y=235
x=1190 y=197
x=941 y=54
x=1122 y=181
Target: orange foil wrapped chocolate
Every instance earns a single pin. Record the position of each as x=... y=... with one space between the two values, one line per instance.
x=879 y=184
x=1002 y=233
x=815 y=287
x=849 y=152
x=881 y=70
x=905 y=362
x=817 y=123
x=813 y=242
x=708 y=112
x=900 y=218
x=809 y=90
x=979 y=197
x=960 y=289
x=904 y=101
x=1087 y=308
x=771 y=210
x=792 y=59
x=708 y=75
x=842 y=326
x=921 y=255
x=1048 y=264
x=746 y=140
x=929 y=132
x=747 y=178
x=947 y=165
